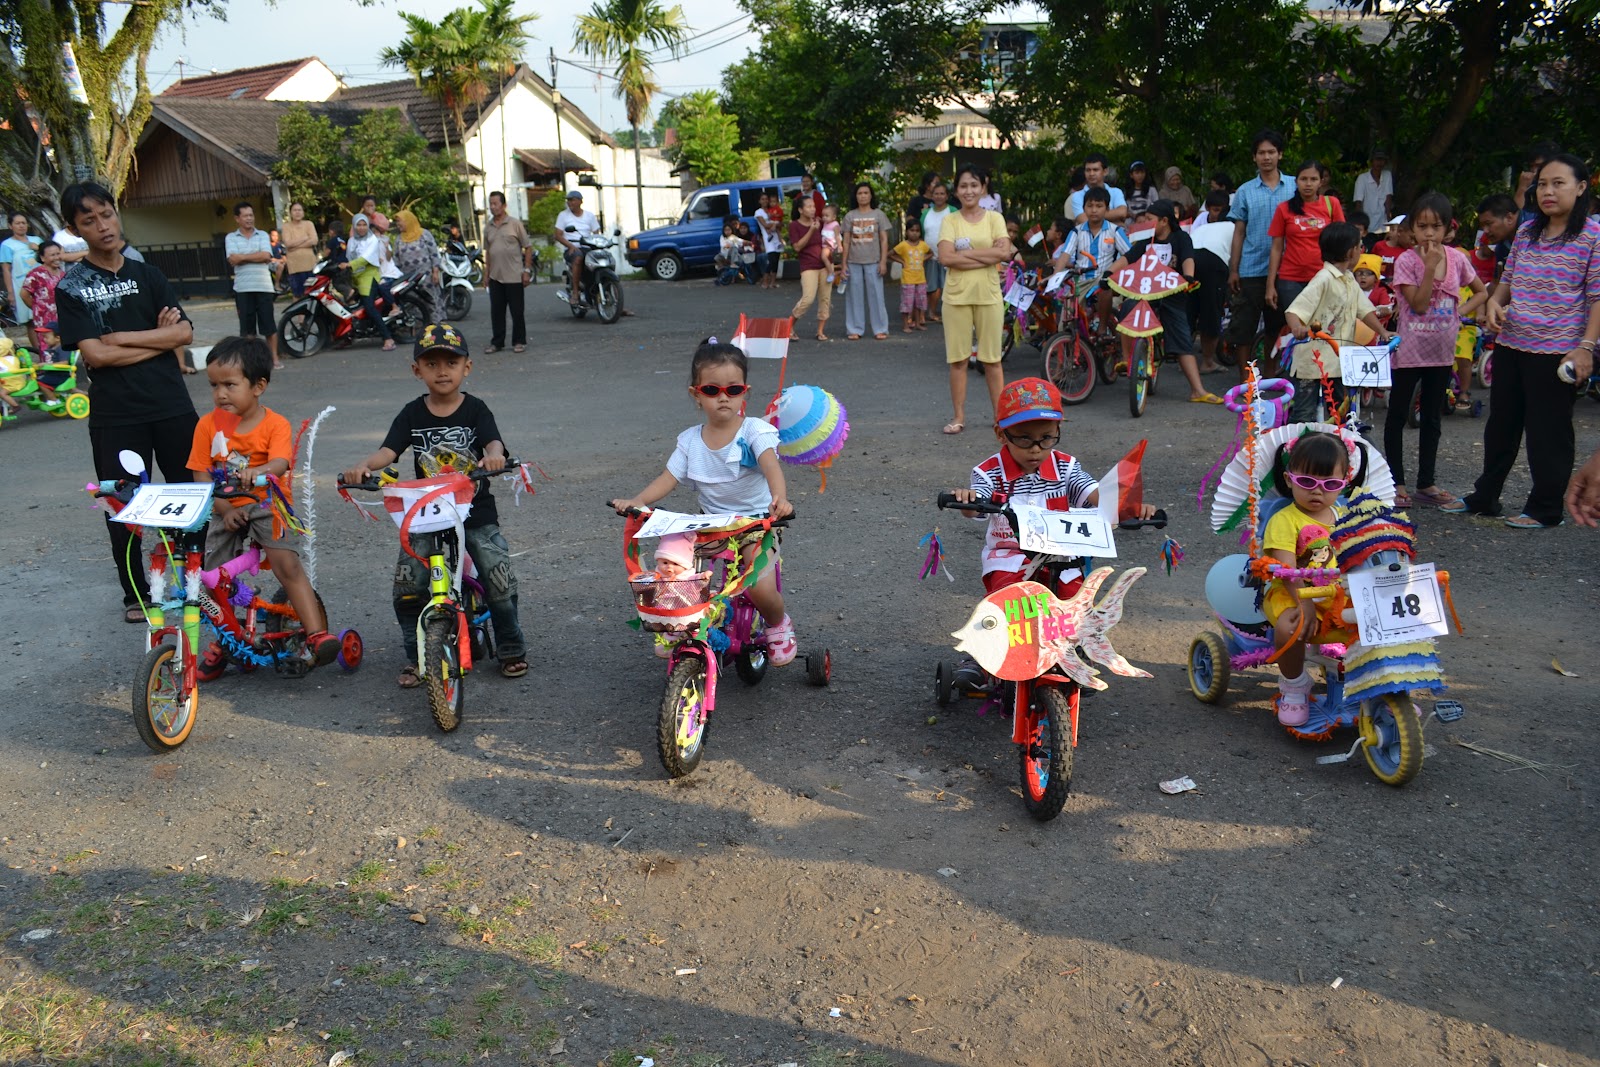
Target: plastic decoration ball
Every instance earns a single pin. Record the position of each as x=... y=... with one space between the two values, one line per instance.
x=812 y=425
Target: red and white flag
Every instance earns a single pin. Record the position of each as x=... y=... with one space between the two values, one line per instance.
x=1122 y=489
x=1034 y=236
x=763 y=338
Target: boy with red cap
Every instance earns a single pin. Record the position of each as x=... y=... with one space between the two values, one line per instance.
x=1028 y=469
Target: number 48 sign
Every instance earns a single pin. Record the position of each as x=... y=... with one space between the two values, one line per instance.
x=1393 y=607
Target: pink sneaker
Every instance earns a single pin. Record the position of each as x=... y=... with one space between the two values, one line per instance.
x=781 y=645
x=1293 y=704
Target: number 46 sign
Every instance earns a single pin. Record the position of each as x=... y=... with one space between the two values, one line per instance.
x=1396 y=606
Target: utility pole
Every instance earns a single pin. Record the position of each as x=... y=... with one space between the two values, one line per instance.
x=555 y=99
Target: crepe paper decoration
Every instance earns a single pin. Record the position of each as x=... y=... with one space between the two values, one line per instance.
x=1253 y=467
x=933 y=563
x=1171 y=554
x=1148 y=279
x=812 y=427
x=1141 y=321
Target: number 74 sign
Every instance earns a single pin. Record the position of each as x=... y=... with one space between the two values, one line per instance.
x=1396 y=606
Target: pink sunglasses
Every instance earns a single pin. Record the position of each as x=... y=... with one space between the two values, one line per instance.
x=1327 y=485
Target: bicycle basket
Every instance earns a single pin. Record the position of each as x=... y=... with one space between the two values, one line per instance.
x=667 y=605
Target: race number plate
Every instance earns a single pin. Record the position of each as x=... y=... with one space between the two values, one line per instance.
x=661 y=523
x=1393 y=607
x=175 y=506
x=1052 y=283
x=440 y=513
x=1064 y=533
x=1020 y=296
x=1365 y=367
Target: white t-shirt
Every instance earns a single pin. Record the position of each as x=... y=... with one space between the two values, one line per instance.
x=1372 y=196
x=587 y=223
x=69 y=241
x=1214 y=237
x=932 y=220
x=726 y=480
x=771 y=240
x=1075 y=201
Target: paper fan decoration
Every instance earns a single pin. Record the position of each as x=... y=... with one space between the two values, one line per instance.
x=1148 y=279
x=1233 y=490
x=812 y=427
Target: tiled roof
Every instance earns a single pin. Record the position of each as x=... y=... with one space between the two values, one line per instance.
x=246 y=83
x=547 y=161
x=244 y=130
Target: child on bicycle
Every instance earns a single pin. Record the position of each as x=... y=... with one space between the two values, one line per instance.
x=1028 y=469
x=447 y=417
x=1311 y=474
x=248 y=439
x=731 y=463
x=1331 y=302
x=1093 y=246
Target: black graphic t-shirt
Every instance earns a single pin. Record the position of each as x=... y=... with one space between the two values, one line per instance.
x=466 y=430
x=92 y=302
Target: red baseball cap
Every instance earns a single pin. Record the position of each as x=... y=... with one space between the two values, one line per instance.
x=1026 y=400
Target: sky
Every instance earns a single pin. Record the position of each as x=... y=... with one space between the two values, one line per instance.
x=348 y=37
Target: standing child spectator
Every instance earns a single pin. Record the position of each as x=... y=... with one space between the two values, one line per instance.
x=1296 y=256
x=1092 y=247
x=1391 y=244
x=753 y=255
x=1333 y=303
x=446 y=416
x=727 y=261
x=769 y=217
x=1430 y=277
x=1141 y=191
x=256 y=441
x=913 y=254
x=1362 y=222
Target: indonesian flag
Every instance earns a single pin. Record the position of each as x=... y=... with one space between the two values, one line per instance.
x=1034 y=236
x=1122 y=489
x=1146 y=234
x=764 y=338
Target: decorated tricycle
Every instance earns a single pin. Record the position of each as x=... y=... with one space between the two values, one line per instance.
x=30 y=384
x=1378 y=612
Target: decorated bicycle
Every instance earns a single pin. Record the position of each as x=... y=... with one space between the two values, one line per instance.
x=1080 y=350
x=50 y=387
x=1370 y=613
x=695 y=602
x=1147 y=279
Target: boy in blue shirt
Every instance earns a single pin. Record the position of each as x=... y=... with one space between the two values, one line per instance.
x=1093 y=246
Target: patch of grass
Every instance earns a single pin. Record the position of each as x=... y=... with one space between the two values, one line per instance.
x=369 y=871
x=544 y=1036
x=432 y=868
x=87 y=916
x=296 y=911
x=192 y=881
x=340 y=1036
x=488 y=1042
x=490 y=1000
x=441 y=1028
x=394 y=978
x=519 y=904
x=540 y=948
x=706 y=1059
x=452 y=847
x=622 y=1058
x=445 y=965
x=282 y=885
x=432 y=831
x=78 y=857
x=364 y=969
x=63 y=885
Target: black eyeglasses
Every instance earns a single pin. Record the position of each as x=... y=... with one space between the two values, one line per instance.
x=1030 y=443
x=718 y=390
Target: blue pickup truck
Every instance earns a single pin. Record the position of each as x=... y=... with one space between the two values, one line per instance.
x=667 y=251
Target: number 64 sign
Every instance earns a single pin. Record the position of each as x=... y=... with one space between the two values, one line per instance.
x=175 y=506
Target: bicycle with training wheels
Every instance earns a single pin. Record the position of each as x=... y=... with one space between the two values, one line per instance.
x=1035 y=646
x=454 y=629
x=705 y=619
x=1079 y=351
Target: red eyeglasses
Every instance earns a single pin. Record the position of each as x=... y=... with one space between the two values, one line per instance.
x=1327 y=485
x=718 y=390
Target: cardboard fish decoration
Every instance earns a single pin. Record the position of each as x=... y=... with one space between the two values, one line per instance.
x=1021 y=631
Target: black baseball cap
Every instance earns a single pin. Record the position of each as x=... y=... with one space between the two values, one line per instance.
x=440 y=337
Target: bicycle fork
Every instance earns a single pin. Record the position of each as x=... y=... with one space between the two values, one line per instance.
x=441 y=599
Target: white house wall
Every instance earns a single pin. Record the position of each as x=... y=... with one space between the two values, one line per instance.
x=314 y=81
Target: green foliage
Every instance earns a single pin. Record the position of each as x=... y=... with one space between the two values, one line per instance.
x=626 y=32
x=460 y=57
x=542 y=212
x=381 y=154
x=708 y=141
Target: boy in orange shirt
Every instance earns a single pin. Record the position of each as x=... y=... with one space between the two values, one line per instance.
x=254 y=440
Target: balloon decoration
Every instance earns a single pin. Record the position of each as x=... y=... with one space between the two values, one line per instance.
x=812 y=427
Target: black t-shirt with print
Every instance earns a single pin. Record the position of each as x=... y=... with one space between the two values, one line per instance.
x=1180 y=242
x=467 y=430
x=92 y=302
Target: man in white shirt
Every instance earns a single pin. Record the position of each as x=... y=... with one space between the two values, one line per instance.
x=586 y=224
x=1375 y=192
x=250 y=255
x=73 y=247
x=1094 y=172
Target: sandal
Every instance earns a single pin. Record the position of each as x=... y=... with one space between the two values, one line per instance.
x=954 y=427
x=880 y=337
x=490 y=350
x=1402 y=499
x=408 y=677
x=1206 y=398
x=133 y=613
x=1528 y=522
x=514 y=668
x=388 y=346
x=1435 y=498
x=519 y=348
x=822 y=338
x=853 y=337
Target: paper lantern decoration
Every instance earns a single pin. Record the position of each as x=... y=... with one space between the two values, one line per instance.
x=1233 y=490
x=1148 y=279
x=812 y=427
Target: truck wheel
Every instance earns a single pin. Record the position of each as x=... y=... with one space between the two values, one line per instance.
x=666 y=266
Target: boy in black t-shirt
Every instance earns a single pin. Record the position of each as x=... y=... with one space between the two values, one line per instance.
x=445 y=418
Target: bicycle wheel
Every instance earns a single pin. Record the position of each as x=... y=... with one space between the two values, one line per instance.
x=1138 y=377
x=1393 y=733
x=441 y=663
x=1157 y=356
x=1047 y=757
x=162 y=711
x=751 y=664
x=1068 y=363
x=1107 y=350
x=681 y=726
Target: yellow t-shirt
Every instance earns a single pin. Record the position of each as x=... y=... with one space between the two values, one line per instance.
x=913 y=258
x=981 y=286
x=1281 y=535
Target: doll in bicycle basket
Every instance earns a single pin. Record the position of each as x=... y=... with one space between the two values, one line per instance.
x=1028 y=469
x=237 y=442
x=448 y=429
x=731 y=462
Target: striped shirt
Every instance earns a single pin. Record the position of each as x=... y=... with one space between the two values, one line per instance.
x=1553 y=285
x=1254 y=205
x=1060 y=479
x=727 y=479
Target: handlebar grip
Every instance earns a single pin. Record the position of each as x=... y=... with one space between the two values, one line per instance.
x=1158 y=520
x=948 y=500
x=1315 y=592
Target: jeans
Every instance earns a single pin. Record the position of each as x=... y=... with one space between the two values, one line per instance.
x=503 y=297
x=1526 y=398
x=1434 y=381
x=370 y=302
x=489 y=551
x=1309 y=399
x=167 y=442
x=866 y=285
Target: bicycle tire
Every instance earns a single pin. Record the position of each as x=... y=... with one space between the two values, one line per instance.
x=1138 y=381
x=680 y=743
x=1395 y=747
x=162 y=713
x=1046 y=760
x=441 y=662
x=1069 y=364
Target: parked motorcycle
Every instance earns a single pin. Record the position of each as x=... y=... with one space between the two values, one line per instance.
x=457 y=269
x=469 y=257
x=324 y=315
x=601 y=288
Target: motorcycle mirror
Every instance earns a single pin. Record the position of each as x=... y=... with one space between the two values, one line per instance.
x=132 y=462
x=617 y=232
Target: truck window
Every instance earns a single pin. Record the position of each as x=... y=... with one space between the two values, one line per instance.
x=750 y=200
x=709 y=206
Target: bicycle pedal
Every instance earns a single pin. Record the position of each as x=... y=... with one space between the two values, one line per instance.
x=1342 y=757
x=1449 y=710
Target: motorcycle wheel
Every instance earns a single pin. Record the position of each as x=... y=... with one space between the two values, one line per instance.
x=607 y=297
x=457 y=302
x=302 y=331
x=415 y=311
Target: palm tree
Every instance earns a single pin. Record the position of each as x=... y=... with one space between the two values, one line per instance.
x=626 y=32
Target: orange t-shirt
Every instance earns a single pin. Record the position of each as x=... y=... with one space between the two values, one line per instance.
x=271 y=439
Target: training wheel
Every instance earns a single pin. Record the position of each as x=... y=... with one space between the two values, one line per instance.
x=944 y=683
x=1209 y=667
x=819 y=669
x=78 y=405
x=350 y=649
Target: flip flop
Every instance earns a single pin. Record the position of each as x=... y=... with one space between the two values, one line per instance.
x=514 y=668
x=880 y=337
x=1435 y=500
x=954 y=427
x=133 y=613
x=1528 y=522
x=822 y=338
x=1206 y=398
x=490 y=350
x=519 y=348
x=1402 y=499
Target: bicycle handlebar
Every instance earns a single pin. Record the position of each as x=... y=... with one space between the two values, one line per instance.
x=642 y=513
x=987 y=507
x=373 y=485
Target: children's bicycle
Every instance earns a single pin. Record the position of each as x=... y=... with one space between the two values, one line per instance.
x=1035 y=645
x=704 y=619
x=1143 y=369
x=1078 y=353
x=454 y=629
